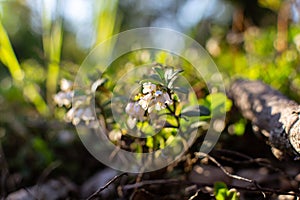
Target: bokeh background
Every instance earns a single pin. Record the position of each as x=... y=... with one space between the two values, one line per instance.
x=43 y=41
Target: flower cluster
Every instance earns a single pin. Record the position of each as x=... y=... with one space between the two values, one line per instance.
x=78 y=113
x=151 y=98
x=80 y=110
x=64 y=97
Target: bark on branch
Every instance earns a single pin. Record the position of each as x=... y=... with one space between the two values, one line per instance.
x=273 y=114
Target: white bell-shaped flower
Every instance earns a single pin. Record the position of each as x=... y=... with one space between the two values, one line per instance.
x=145 y=101
x=148 y=87
x=66 y=85
x=135 y=111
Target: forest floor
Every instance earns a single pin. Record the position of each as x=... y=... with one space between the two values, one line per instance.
x=243 y=165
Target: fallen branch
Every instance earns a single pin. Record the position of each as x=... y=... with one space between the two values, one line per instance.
x=271 y=113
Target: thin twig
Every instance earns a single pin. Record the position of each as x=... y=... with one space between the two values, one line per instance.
x=248 y=159
x=97 y=193
x=152 y=182
x=201 y=154
x=256 y=187
x=260 y=161
x=195 y=195
x=50 y=168
x=234 y=153
x=45 y=174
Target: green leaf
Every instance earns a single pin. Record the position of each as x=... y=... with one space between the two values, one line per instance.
x=219 y=103
x=153 y=78
x=228 y=104
x=222 y=193
x=170 y=73
x=156 y=77
x=191 y=113
x=181 y=90
x=161 y=141
x=220 y=190
x=42 y=148
x=160 y=72
x=171 y=82
x=232 y=194
x=239 y=127
x=194 y=111
x=175 y=73
x=149 y=142
x=171 y=76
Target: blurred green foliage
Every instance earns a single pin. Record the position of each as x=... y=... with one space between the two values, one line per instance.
x=222 y=193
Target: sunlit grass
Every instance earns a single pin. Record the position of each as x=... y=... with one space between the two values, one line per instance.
x=106 y=21
x=52 y=45
x=9 y=59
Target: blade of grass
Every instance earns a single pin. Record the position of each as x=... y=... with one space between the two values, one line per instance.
x=31 y=92
x=55 y=45
x=106 y=21
x=52 y=45
x=9 y=59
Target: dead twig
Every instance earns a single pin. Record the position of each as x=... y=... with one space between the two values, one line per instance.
x=97 y=193
x=177 y=181
x=152 y=182
x=256 y=187
x=253 y=189
x=249 y=160
x=46 y=172
x=195 y=195
x=201 y=154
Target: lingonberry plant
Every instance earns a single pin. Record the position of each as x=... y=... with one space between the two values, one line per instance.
x=162 y=112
